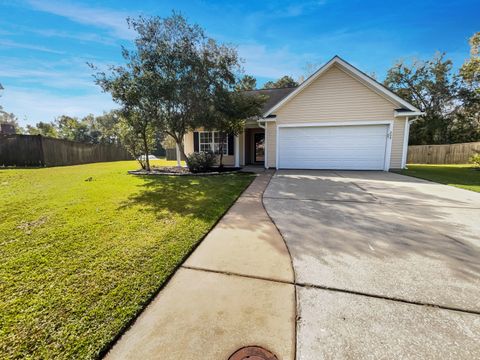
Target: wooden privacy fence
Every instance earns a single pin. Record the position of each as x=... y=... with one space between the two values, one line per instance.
x=36 y=150
x=171 y=154
x=442 y=154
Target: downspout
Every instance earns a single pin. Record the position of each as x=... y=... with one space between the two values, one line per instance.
x=406 y=136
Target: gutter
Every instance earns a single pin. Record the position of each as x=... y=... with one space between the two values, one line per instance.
x=408 y=113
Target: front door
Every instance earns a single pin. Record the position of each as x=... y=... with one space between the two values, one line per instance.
x=259 y=150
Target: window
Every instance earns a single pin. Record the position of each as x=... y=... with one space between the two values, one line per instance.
x=205 y=141
x=210 y=141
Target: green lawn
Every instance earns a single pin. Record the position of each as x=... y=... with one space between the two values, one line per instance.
x=462 y=176
x=80 y=258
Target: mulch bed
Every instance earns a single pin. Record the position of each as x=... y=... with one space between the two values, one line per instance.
x=183 y=171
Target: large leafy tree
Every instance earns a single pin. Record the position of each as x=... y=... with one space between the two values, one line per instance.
x=247 y=82
x=43 y=128
x=137 y=135
x=172 y=75
x=106 y=126
x=190 y=68
x=467 y=126
x=9 y=118
x=137 y=89
x=71 y=128
x=429 y=85
x=470 y=70
x=450 y=99
x=91 y=129
x=229 y=112
x=284 y=82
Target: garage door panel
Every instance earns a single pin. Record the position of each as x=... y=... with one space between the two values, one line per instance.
x=333 y=147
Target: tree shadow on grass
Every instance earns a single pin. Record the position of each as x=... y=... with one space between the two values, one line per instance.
x=201 y=197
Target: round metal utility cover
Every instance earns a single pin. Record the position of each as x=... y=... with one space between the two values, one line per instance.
x=252 y=353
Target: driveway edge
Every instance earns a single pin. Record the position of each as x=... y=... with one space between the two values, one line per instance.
x=291 y=264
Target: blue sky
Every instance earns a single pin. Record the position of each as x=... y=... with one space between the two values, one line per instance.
x=44 y=45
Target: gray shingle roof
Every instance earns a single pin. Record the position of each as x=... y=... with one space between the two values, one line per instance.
x=274 y=96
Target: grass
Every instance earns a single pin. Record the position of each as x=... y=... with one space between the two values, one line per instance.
x=163 y=162
x=80 y=257
x=461 y=176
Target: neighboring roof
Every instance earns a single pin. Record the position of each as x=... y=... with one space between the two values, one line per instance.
x=375 y=85
x=7 y=129
x=274 y=96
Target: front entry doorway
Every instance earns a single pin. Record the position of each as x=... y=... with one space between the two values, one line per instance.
x=254 y=146
x=259 y=147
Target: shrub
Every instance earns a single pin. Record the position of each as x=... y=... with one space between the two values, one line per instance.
x=200 y=161
x=475 y=160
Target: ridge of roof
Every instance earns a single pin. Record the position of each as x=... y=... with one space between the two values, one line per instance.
x=268 y=89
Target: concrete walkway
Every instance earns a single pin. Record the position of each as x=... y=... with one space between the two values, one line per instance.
x=235 y=290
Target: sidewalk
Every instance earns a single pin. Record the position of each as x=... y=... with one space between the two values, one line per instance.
x=235 y=290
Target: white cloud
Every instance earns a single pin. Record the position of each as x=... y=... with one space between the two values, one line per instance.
x=86 y=37
x=262 y=61
x=112 y=20
x=273 y=12
x=18 y=45
x=296 y=9
x=69 y=73
x=32 y=106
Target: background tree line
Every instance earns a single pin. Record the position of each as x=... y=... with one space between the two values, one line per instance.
x=90 y=129
x=176 y=79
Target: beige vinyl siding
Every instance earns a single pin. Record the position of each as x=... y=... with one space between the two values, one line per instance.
x=338 y=96
x=397 y=143
x=271 y=135
x=188 y=145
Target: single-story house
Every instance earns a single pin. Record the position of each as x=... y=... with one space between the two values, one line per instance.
x=338 y=118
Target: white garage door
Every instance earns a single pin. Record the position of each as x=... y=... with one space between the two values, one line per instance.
x=333 y=147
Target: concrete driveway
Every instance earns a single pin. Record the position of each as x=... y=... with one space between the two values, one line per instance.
x=386 y=266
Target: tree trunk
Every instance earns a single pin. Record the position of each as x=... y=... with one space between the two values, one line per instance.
x=145 y=148
x=220 y=149
x=180 y=152
x=179 y=155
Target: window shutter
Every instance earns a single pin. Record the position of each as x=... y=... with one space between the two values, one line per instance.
x=231 y=144
x=196 y=146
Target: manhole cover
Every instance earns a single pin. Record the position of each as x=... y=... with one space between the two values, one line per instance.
x=252 y=353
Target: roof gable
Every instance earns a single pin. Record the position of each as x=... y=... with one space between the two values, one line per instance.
x=355 y=73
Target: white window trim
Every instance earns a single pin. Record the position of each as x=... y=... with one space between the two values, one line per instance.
x=388 y=147
x=212 y=143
